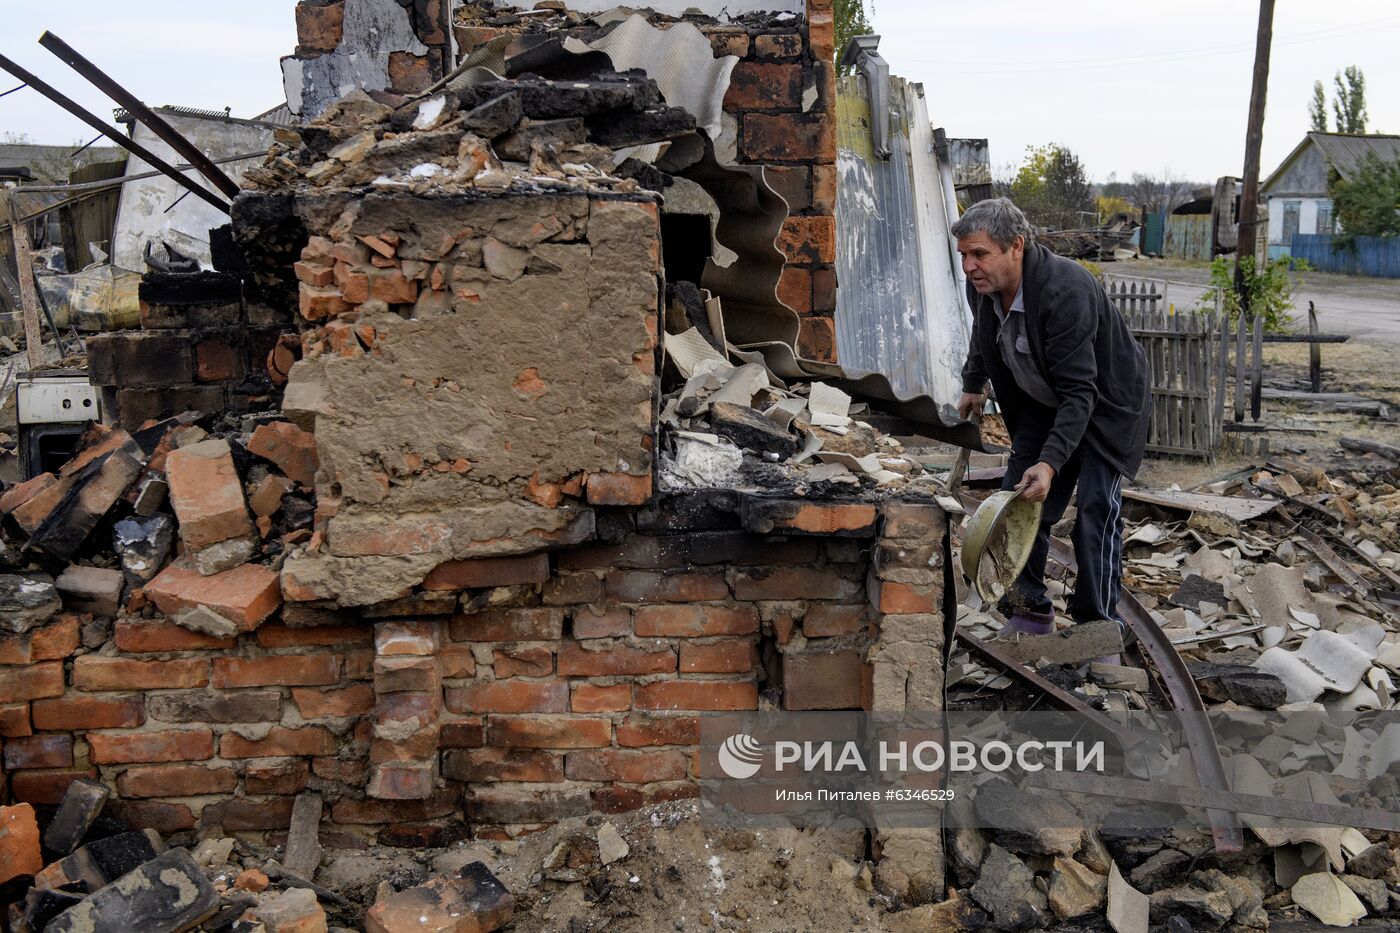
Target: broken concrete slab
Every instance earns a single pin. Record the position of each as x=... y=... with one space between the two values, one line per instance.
x=27 y=601
x=303 y=856
x=82 y=803
x=91 y=589
x=168 y=894
x=1075 y=890
x=1118 y=677
x=611 y=845
x=1073 y=645
x=471 y=901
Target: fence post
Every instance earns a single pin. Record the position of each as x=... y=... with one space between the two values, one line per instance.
x=1239 y=370
x=1314 y=351
x=1256 y=391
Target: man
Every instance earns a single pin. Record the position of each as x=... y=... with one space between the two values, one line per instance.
x=1073 y=386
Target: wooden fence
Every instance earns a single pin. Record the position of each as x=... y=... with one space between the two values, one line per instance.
x=1188 y=357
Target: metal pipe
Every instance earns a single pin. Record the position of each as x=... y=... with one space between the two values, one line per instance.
x=153 y=121
x=112 y=133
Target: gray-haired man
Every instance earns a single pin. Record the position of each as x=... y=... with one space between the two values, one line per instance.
x=1073 y=387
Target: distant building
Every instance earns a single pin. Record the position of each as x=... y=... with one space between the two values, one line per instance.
x=1296 y=192
x=51 y=165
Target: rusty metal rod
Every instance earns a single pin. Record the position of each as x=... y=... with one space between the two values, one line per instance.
x=153 y=121
x=112 y=133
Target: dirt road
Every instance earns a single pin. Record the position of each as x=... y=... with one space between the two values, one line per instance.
x=1363 y=307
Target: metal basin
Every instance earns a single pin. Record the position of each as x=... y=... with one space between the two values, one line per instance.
x=998 y=541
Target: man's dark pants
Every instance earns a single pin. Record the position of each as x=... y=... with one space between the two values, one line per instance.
x=1098 y=525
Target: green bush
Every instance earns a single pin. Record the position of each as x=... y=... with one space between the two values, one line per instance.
x=1270 y=289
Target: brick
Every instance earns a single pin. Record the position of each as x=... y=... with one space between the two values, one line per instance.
x=827 y=620
x=139 y=358
x=354 y=700
x=14 y=721
x=20 y=853
x=80 y=713
x=291 y=449
x=821 y=34
x=470 y=900
x=724 y=43
x=824 y=291
x=138 y=637
x=618 y=489
x=403 y=637
x=635 y=552
x=164 y=818
x=831 y=680
x=523 y=662
x=809 y=240
x=631 y=767
x=724 y=657
x=317 y=275
x=247 y=594
x=91 y=672
x=90 y=589
x=318 y=304
x=325 y=636
x=787 y=45
x=218 y=360
x=420 y=746
x=57 y=640
x=510 y=696
x=764 y=86
x=503 y=764
x=407 y=711
x=457 y=661
x=175 y=781
x=39 y=751
x=407 y=675
x=509 y=625
x=824 y=518
x=45 y=788
x=273 y=670
x=15 y=650
x=601 y=623
x=640 y=586
x=497 y=803
x=488 y=572
x=109 y=749
x=341 y=771
x=907 y=520
x=463 y=733
x=905 y=599
x=572 y=589
x=207 y=494
x=591 y=698
x=755 y=583
x=319 y=26
x=696 y=695
x=695 y=621
x=824 y=189
x=32 y=683
x=576 y=661
x=616 y=798
x=742 y=548
x=816 y=338
x=21 y=493
x=795 y=289
x=220 y=707
x=276 y=777
x=246 y=814
x=280 y=742
x=642 y=731
x=788 y=137
x=440 y=804
x=548 y=732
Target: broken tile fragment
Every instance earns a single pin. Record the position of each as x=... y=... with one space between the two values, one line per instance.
x=168 y=894
x=471 y=901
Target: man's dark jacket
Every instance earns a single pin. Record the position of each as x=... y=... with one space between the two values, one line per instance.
x=1086 y=353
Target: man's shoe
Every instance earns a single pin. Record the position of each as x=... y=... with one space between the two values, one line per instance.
x=1025 y=622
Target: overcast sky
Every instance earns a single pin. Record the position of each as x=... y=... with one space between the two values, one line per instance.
x=1129 y=86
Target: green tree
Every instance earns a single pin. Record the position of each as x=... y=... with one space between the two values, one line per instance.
x=850 y=21
x=1317 y=110
x=1349 y=104
x=1369 y=203
x=1053 y=189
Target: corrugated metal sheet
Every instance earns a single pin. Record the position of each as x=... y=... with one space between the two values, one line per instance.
x=899 y=309
x=1345 y=151
x=1374 y=256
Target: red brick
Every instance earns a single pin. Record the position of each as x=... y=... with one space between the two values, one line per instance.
x=32 y=683
x=247 y=594
x=764 y=86
x=831 y=680
x=15 y=650
x=905 y=599
x=55 y=641
x=825 y=620
x=420 y=746
x=389 y=539
x=218 y=361
x=457 y=661
x=138 y=637
x=117 y=749
x=465 y=733
x=816 y=338
x=401 y=711
x=402 y=780
x=280 y=742
x=21 y=493
x=591 y=698
x=635 y=552
x=777 y=46
x=354 y=700
x=403 y=637
x=724 y=657
x=317 y=304
x=175 y=781
x=509 y=625
x=317 y=275
x=440 y=804
x=246 y=814
x=45 y=787
x=695 y=621
x=503 y=764
x=824 y=291
x=641 y=731
x=20 y=852
x=298 y=670
x=795 y=289
x=642 y=586
x=340 y=771
x=164 y=818
x=510 y=696
x=576 y=661
x=80 y=713
x=809 y=240
x=696 y=694
x=788 y=137
x=907 y=520
x=39 y=751
x=319 y=26
x=279 y=777
x=14 y=720
x=535 y=661
x=548 y=732
x=615 y=798
x=207 y=494
x=601 y=623
x=821 y=34
x=824 y=189
x=326 y=636
x=755 y=583
x=91 y=672
x=487 y=572
x=572 y=589
x=407 y=675
x=289 y=447
x=618 y=489
x=727 y=41
x=627 y=766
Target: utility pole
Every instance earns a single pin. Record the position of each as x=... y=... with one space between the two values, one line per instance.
x=1253 y=139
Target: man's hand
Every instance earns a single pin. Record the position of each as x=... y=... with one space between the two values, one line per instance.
x=1035 y=482
x=971 y=405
